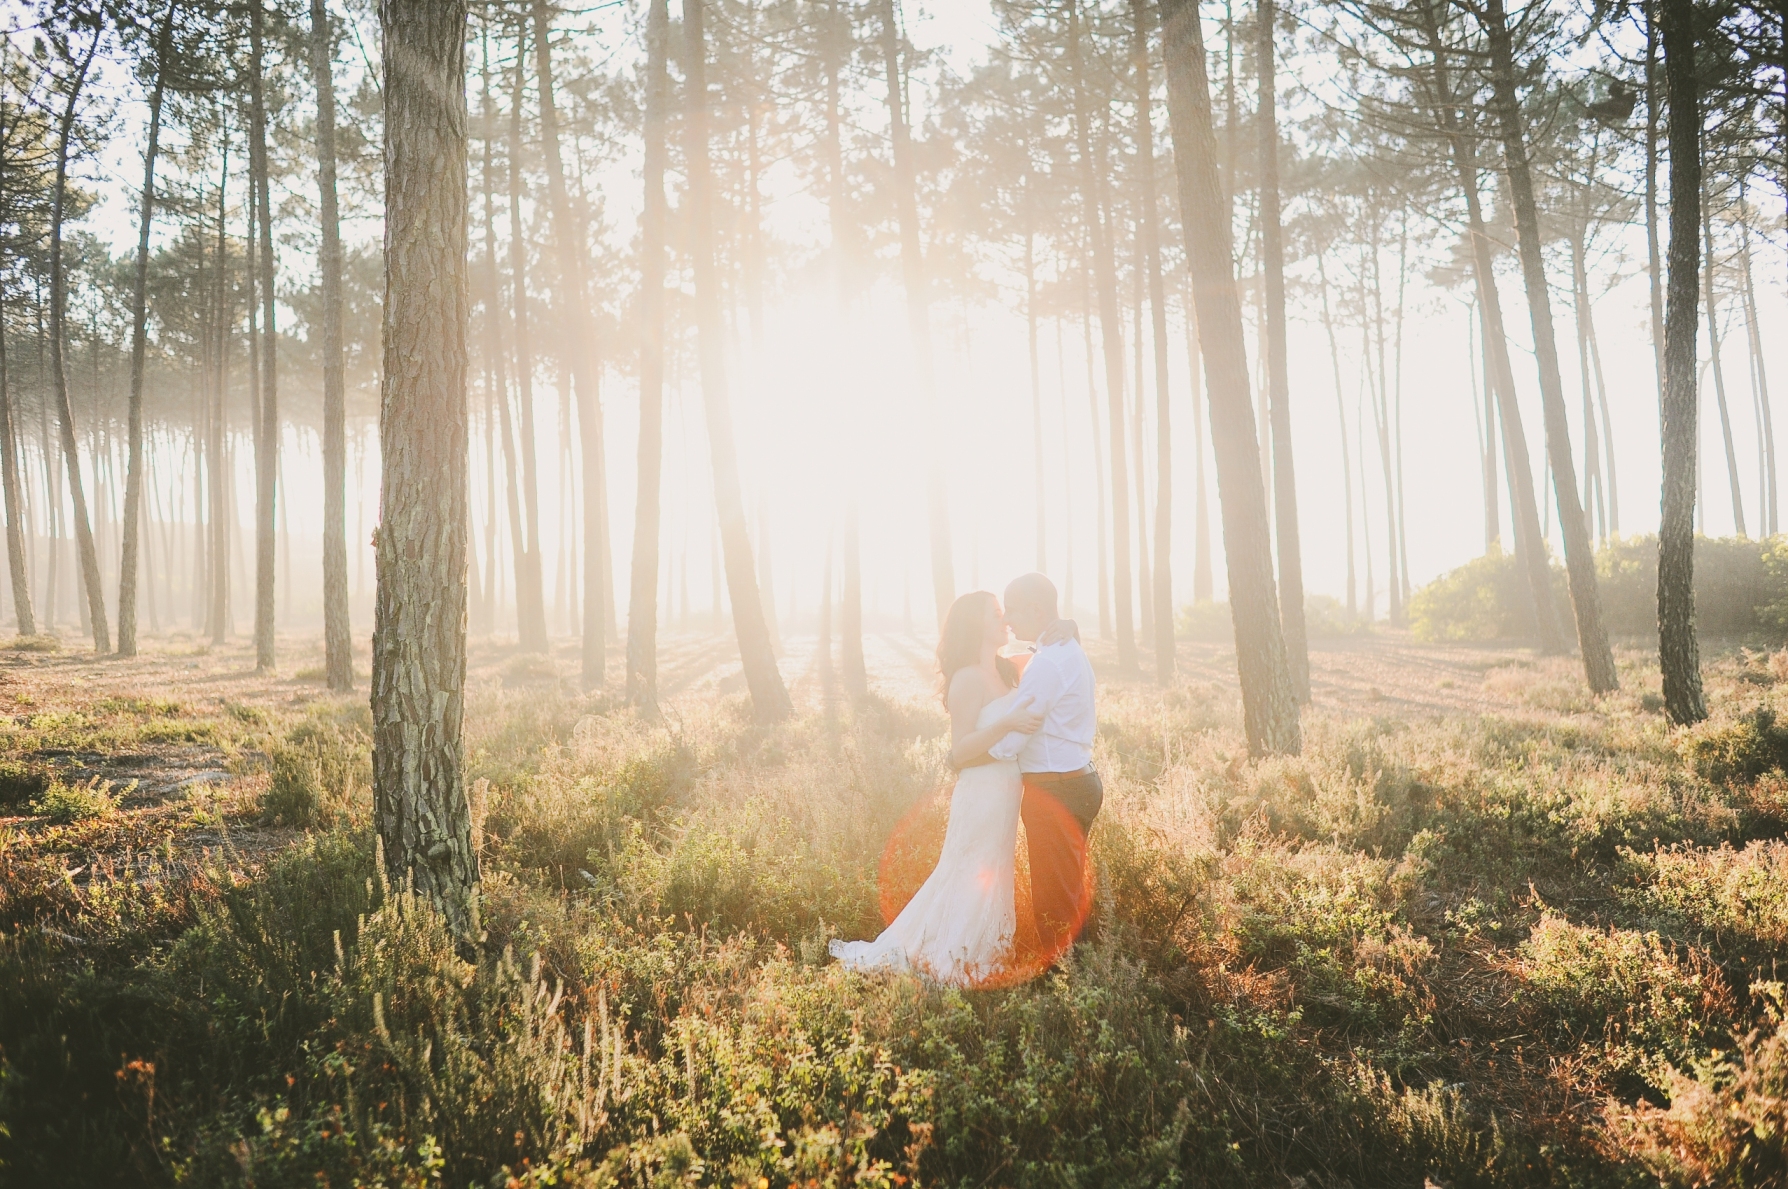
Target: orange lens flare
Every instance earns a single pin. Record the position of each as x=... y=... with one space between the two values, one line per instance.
x=912 y=853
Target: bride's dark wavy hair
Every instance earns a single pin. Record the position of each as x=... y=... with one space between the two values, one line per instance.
x=959 y=645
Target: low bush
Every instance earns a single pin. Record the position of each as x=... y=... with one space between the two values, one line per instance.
x=1487 y=598
x=1737 y=751
x=68 y=803
x=321 y=771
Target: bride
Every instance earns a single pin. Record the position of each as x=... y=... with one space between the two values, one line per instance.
x=958 y=928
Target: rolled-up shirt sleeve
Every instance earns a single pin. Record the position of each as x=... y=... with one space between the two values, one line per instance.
x=1042 y=686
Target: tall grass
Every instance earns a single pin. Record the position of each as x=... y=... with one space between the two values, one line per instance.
x=1493 y=951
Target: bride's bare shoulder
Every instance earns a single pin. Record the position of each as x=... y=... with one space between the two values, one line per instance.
x=969 y=690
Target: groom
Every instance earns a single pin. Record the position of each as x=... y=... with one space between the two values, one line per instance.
x=1062 y=792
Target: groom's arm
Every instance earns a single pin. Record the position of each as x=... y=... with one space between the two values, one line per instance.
x=1042 y=685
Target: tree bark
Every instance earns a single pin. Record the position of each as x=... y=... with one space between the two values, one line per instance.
x=1269 y=706
x=267 y=442
x=1111 y=330
x=419 y=632
x=530 y=590
x=1679 y=654
x=642 y=598
x=139 y=322
x=769 y=697
x=1141 y=18
x=1272 y=250
x=1595 y=498
x=71 y=454
x=217 y=462
x=918 y=309
x=580 y=342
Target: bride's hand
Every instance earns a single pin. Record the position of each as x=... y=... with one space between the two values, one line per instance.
x=1058 y=631
x=1023 y=719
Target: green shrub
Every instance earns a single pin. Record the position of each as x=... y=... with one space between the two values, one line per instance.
x=1736 y=752
x=1487 y=598
x=319 y=771
x=66 y=803
x=1736 y=899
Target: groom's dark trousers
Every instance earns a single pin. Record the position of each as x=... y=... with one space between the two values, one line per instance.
x=1059 y=808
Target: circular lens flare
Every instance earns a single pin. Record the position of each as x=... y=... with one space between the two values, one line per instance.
x=912 y=853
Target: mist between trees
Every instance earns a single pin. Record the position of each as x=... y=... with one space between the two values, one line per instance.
x=803 y=315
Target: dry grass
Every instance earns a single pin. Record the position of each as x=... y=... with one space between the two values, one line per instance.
x=1486 y=930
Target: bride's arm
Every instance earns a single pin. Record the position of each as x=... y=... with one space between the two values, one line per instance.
x=968 y=745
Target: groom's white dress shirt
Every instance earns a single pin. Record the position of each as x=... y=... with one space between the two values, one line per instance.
x=1059 y=684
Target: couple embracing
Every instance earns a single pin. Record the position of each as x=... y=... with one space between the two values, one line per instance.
x=1022 y=743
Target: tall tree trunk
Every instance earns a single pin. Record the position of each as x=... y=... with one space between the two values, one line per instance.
x=217 y=462
x=1111 y=329
x=139 y=321
x=1594 y=496
x=1484 y=413
x=1595 y=363
x=1269 y=705
x=419 y=631
x=1679 y=654
x=1141 y=24
x=90 y=579
x=918 y=309
x=267 y=454
x=580 y=342
x=1272 y=250
x=1719 y=373
x=338 y=642
x=1201 y=510
x=1654 y=268
x=1092 y=396
x=836 y=41
x=1530 y=553
x=1328 y=325
x=15 y=495
x=1030 y=318
x=1768 y=515
x=530 y=590
x=769 y=697
x=642 y=595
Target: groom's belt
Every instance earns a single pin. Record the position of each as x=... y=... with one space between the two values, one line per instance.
x=1051 y=777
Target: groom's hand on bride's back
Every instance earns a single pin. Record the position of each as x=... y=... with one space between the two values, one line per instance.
x=1058 y=631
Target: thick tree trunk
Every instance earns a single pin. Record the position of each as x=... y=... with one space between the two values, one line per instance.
x=139 y=321
x=918 y=309
x=642 y=595
x=1679 y=654
x=1711 y=304
x=1530 y=553
x=579 y=341
x=530 y=589
x=71 y=454
x=769 y=697
x=1272 y=250
x=338 y=643
x=1269 y=705
x=1141 y=25
x=1111 y=330
x=419 y=631
x=267 y=442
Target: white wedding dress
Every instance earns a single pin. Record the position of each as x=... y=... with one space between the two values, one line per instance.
x=958 y=928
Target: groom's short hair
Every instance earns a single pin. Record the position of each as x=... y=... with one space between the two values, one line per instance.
x=1034 y=591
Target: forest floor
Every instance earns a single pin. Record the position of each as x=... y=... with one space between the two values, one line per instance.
x=1486 y=930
